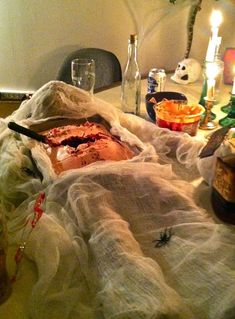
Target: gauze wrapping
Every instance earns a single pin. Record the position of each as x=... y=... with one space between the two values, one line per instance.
x=95 y=246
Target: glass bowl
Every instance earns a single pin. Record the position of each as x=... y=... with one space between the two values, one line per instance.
x=178 y=115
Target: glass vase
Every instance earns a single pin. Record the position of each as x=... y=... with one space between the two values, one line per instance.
x=218 y=68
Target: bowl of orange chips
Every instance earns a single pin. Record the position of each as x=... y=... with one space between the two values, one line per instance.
x=153 y=98
x=178 y=115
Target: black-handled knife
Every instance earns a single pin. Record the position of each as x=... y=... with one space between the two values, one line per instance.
x=27 y=132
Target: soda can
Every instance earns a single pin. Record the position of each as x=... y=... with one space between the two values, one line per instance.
x=156 y=80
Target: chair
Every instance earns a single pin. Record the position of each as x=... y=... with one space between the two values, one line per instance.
x=107 y=67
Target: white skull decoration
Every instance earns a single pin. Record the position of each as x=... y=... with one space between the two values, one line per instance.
x=187 y=71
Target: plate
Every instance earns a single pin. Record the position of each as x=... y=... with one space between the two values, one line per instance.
x=61 y=121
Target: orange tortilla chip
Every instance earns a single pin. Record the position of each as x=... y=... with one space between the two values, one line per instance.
x=153 y=100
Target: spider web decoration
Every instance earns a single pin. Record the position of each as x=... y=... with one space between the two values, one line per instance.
x=146 y=21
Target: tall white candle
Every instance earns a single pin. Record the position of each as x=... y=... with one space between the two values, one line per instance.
x=210 y=89
x=210 y=52
x=215 y=19
x=211 y=74
x=233 y=90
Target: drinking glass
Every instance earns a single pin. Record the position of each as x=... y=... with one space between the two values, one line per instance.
x=83 y=74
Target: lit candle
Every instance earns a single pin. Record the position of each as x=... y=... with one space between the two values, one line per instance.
x=210 y=89
x=233 y=90
x=215 y=19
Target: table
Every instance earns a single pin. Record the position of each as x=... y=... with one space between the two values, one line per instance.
x=16 y=306
x=7 y=107
x=192 y=91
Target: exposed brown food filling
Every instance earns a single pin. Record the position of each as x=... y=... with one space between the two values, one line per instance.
x=75 y=146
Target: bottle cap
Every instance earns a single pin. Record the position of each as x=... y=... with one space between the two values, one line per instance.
x=133 y=38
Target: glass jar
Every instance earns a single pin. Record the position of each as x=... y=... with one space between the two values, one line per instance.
x=217 y=67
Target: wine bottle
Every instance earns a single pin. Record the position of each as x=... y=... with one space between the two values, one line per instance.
x=131 y=80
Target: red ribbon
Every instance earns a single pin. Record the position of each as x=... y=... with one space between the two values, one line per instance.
x=38 y=211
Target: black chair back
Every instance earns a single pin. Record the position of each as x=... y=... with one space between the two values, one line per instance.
x=107 y=67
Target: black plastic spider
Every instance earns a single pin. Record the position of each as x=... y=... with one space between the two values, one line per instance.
x=165 y=237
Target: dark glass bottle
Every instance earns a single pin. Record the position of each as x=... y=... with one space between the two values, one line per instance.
x=223 y=189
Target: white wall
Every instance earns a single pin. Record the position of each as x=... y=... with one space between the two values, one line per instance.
x=36 y=36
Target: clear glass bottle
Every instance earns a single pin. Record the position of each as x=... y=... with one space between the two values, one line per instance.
x=131 y=80
x=219 y=78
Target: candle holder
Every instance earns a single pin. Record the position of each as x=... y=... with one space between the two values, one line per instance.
x=229 y=120
x=207 y=122
x=226 y=108
x=203 y=97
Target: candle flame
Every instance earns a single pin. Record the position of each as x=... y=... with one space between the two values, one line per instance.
x=216 y=18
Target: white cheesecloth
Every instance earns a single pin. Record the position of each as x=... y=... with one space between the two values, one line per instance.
x=94 y=247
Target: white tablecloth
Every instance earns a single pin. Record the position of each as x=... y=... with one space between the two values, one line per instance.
x=192 y=92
